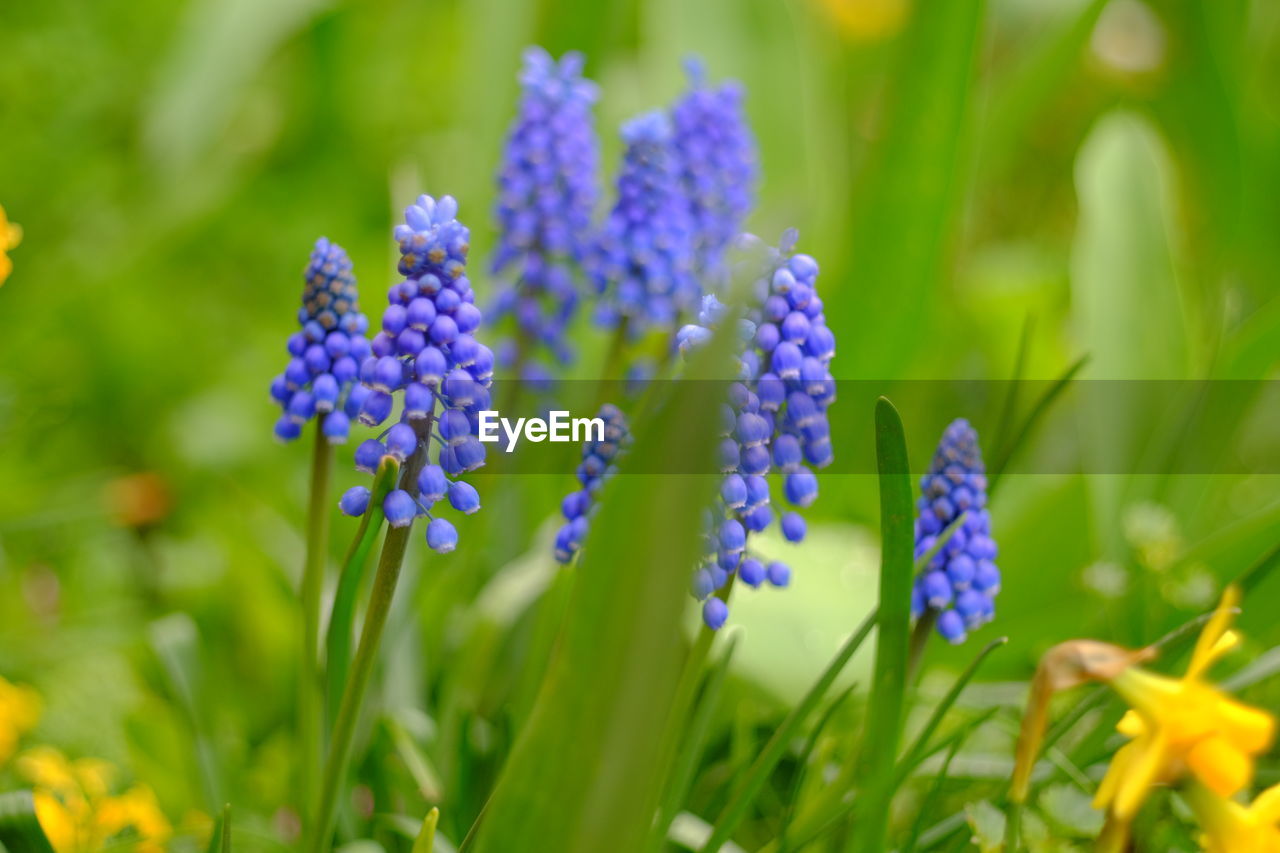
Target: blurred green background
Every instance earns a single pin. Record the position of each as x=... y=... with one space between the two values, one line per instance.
x=1110 y=170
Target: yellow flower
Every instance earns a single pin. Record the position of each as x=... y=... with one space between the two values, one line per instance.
x=1184 y=725
x=866 y=20
x=19 y=705
x=1232 y=828
x=77 y=811
x=10 y=237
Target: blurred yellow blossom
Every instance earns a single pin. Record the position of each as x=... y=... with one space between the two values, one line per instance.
x=1232 y=828
x=19 y=713
x=1184 y=725
x=10 y=237
x=866 y=20
x=77 y=810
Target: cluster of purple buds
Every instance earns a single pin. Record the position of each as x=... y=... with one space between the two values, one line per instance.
x=326 y=354
x=599 y=457
x=961 y=580
x=775 y=421
x=428 y=356
x=546 y=195
x=643 y=264
x=718 y=165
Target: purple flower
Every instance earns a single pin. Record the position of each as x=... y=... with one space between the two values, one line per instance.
x=643 y=263
x=325 y=355
x=547 y=189
x=961 y=580
x=718 y=164
x=428 y=358
x=774 y=421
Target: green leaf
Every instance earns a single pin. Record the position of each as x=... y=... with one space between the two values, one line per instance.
x=1124 y=277
x=20 y=830
x=884 y=720
x=343 y=613
x=987 y=823
x=915 y=753
x=913 y=180
x=585 y=773
x=686 y=762
x=1005 y=450
x=220 y=838
x=427 y=837
x=753 y=779
x=176 y=642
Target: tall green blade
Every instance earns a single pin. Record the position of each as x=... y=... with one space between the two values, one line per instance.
x=907 y=202
x=342 y=616
x=585 y=774
x=884 y=720
x=753 y=780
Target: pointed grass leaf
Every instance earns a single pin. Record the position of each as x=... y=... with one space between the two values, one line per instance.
x=915 y=753
x=906 y=205
x=220 y=838
x=884 y=720
x=339 y=636
x=1026 y=427
x=757 y=774
x=20 y=830
x=695 y=741
x=427 y=836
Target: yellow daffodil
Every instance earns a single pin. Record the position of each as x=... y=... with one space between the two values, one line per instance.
x=10 y=237
x=77 y=810
x=1183 y=726
x=867 y=20
x=1232 y=828
x=19 y=711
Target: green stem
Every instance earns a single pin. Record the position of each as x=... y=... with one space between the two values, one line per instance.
x=384 y=588
x=342 y=616
x=312 y=586
x=919 y=639
x=750 y=782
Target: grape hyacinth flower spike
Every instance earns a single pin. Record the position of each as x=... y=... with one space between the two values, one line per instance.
x=775 y=421
x=547 y=190
x=718 y=165
x=599 y=457
x=960 y=582
x=643 y=261
x=427 y=363
x=325 y=355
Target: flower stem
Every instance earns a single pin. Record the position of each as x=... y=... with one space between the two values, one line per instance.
x=919 y=639
x=312 y=585
x=384 y=588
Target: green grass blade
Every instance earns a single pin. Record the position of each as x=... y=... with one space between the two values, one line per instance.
x=20 y=830
x=1259 y=571
x=586 y=772
x=427 y=836
x=803 y=759
x=686 y=763
x=1010 y=407
x=888 y=685
x=342 y=616
x=756 y=775
x=1019 y=437
x=176 y=642
x=931 y=798
x=915 y=753
x=906 y=202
